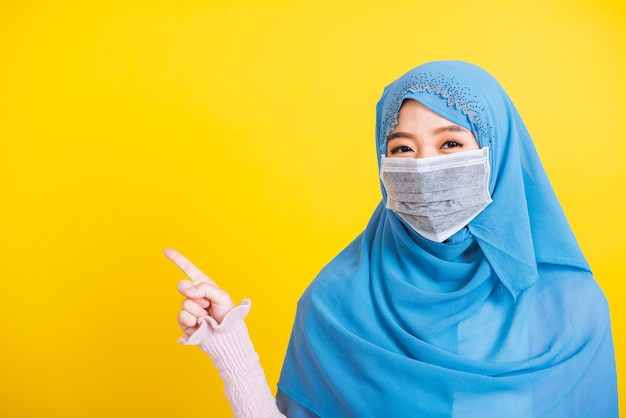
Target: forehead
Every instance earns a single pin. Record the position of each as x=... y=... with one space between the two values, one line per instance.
x=412 y=110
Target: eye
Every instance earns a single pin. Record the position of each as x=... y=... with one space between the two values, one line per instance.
x=400 y=149
x=451 y=144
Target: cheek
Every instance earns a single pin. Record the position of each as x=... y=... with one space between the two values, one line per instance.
x=472 y=143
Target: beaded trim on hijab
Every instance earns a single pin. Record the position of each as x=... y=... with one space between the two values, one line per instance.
x=457 y=96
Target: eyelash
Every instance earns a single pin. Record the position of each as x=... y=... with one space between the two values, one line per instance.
x=401 y=149
x=405 y=148
x=447 y=144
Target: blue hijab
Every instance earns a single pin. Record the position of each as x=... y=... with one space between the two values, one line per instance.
x=504 y=319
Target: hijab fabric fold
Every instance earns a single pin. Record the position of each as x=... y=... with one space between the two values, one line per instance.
x=502 y=320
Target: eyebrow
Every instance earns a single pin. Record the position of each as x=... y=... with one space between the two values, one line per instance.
x=451 y=128
x=446 y=128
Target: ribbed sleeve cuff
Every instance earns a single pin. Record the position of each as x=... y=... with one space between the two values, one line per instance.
x=228 y=342
x=229 y=346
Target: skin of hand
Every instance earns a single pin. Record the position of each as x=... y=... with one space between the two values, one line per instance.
x=202 y=295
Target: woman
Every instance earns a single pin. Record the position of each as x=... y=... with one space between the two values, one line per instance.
x=466 y=295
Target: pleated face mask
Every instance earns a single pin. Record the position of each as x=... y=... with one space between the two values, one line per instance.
x=437 y=196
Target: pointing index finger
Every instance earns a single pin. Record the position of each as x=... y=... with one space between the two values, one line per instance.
x=193 y=272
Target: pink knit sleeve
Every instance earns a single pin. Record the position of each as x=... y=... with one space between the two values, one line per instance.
x=229 y=346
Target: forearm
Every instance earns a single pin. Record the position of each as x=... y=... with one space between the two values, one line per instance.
x=229 y=346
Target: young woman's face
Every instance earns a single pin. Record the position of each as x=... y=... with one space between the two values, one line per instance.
x=423 y=133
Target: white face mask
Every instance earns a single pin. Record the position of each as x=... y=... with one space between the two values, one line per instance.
x=437 y=196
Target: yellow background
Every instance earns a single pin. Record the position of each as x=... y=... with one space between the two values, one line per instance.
x=242 y=134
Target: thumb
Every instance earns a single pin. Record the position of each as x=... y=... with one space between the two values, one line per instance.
x=219 y=300
x=189 y=290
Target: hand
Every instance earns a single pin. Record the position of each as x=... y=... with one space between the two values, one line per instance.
x=203 y=296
